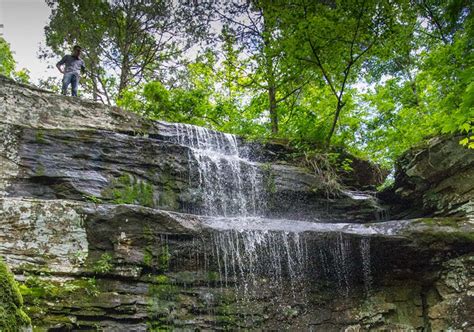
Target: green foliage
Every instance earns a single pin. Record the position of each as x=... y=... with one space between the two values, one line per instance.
x=381 y=123
x=435 y=99
x=104 y=264
x=12 y=316
x=124 y=42
x=8 y=64
x=372 y=77
x=325 y=166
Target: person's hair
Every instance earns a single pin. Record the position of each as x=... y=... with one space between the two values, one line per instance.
x=77 y=47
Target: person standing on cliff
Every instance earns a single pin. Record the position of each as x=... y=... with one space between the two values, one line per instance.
x=73 y=67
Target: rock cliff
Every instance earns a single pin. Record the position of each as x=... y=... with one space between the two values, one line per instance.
x=114 y=222
x=435 y=178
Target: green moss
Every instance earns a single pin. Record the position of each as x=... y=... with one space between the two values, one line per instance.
x=162 y=279
x=213 y=276
x=40 y=170
x=154 y=326
x=444 y=231
x=128 y=190
x=165 y=292
x=12 y=316
x=39 y=136
x=447 y=221
x=269 y=178
x=447 y=237
x=93 y=199
x=35 y=288
x=103 y=264
x=162 y=304
x=226 y=320
x=148 y=256
x=155 y=256
x=168 y=197
x=165 y=257
x=37 y=291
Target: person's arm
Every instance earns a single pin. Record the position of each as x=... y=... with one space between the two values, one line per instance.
x=83 y=67
x=60 y=63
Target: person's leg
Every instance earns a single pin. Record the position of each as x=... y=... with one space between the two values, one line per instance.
x=74 y=84
x=66 y=82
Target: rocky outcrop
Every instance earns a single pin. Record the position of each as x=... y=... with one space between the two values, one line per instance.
x=361 y=173
x=435 y=178
x=61 y=148
x=114 y=222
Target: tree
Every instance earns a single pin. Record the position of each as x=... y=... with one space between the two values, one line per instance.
x=335 y=38
x=265 y=64
x=125 y=41
x=8 y=64
x=430 y=88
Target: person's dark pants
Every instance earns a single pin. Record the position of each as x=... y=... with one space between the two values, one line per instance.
x=73 y=79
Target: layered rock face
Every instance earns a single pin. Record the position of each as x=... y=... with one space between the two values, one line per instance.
x=435 y=179
x=113 y=222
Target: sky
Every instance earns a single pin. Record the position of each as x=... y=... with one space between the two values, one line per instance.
x=24 y=22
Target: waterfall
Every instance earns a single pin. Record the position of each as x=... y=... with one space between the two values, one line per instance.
x=366 y=266
x=252 y=253
x=284 y=261
x=253 y=256
x=229 y=184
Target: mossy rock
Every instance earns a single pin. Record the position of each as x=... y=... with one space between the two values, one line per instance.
x=12 y=316
x=128 y=189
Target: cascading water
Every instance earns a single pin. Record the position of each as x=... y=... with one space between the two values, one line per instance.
x=230 y=185
x=249 y=251
x=252 y=255
x=366 y=266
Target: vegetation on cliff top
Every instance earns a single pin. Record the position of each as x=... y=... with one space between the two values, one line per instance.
x=374 y=77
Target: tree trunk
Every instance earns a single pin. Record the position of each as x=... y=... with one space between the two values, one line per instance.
x=273 y=109
x=270 y=74
x=339 y=106
x=123 y=75
x=94 y=80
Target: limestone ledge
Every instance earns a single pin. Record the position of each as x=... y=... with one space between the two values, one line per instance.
x=60 y=234
x=128 y=267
